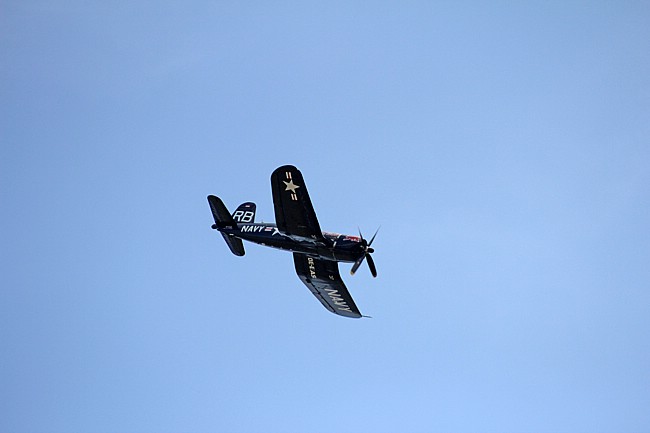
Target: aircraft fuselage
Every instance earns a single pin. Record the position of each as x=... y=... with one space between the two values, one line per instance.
x=334 y=246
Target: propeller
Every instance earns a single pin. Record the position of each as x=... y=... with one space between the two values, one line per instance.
x=366 y=255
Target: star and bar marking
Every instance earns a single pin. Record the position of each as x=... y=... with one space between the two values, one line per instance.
x=290 y=186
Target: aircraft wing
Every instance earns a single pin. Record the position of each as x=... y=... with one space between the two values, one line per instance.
x=322 y=278
x=294 y=213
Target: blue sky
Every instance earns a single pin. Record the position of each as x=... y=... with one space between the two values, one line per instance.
x=503 y=148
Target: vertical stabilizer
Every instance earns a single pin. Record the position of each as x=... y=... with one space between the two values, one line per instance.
x=245 y=213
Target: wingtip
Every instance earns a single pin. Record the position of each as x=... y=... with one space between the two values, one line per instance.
x=286 y=167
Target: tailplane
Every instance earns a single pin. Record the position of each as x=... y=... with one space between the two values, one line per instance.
x=223 y=219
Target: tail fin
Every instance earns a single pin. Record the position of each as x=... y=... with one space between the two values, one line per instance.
x=245 y=213
x=223 y=219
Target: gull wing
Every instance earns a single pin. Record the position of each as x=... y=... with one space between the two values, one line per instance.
x=294 y=213
x=322 y=278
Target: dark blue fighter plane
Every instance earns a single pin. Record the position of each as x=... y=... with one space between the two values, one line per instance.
x=315 y=253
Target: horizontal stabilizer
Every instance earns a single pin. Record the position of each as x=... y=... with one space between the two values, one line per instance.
x=235 y=244
x=223 y=219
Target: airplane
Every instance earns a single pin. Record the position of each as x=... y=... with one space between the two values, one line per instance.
x=315 y=253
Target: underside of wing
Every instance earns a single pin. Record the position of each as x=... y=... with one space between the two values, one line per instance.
x=322 y=278
x=294 y=213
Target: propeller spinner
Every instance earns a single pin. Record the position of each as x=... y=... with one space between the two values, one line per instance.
x=366 y=255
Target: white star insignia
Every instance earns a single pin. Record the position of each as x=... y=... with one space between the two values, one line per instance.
x=291 y=186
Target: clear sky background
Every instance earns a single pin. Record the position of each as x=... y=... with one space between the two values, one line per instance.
x=503 y=148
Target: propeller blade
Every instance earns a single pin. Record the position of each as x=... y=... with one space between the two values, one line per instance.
x=371 y=265
x=373 y=236
x=367 y=250
x=357 y=264
x=363 y=241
